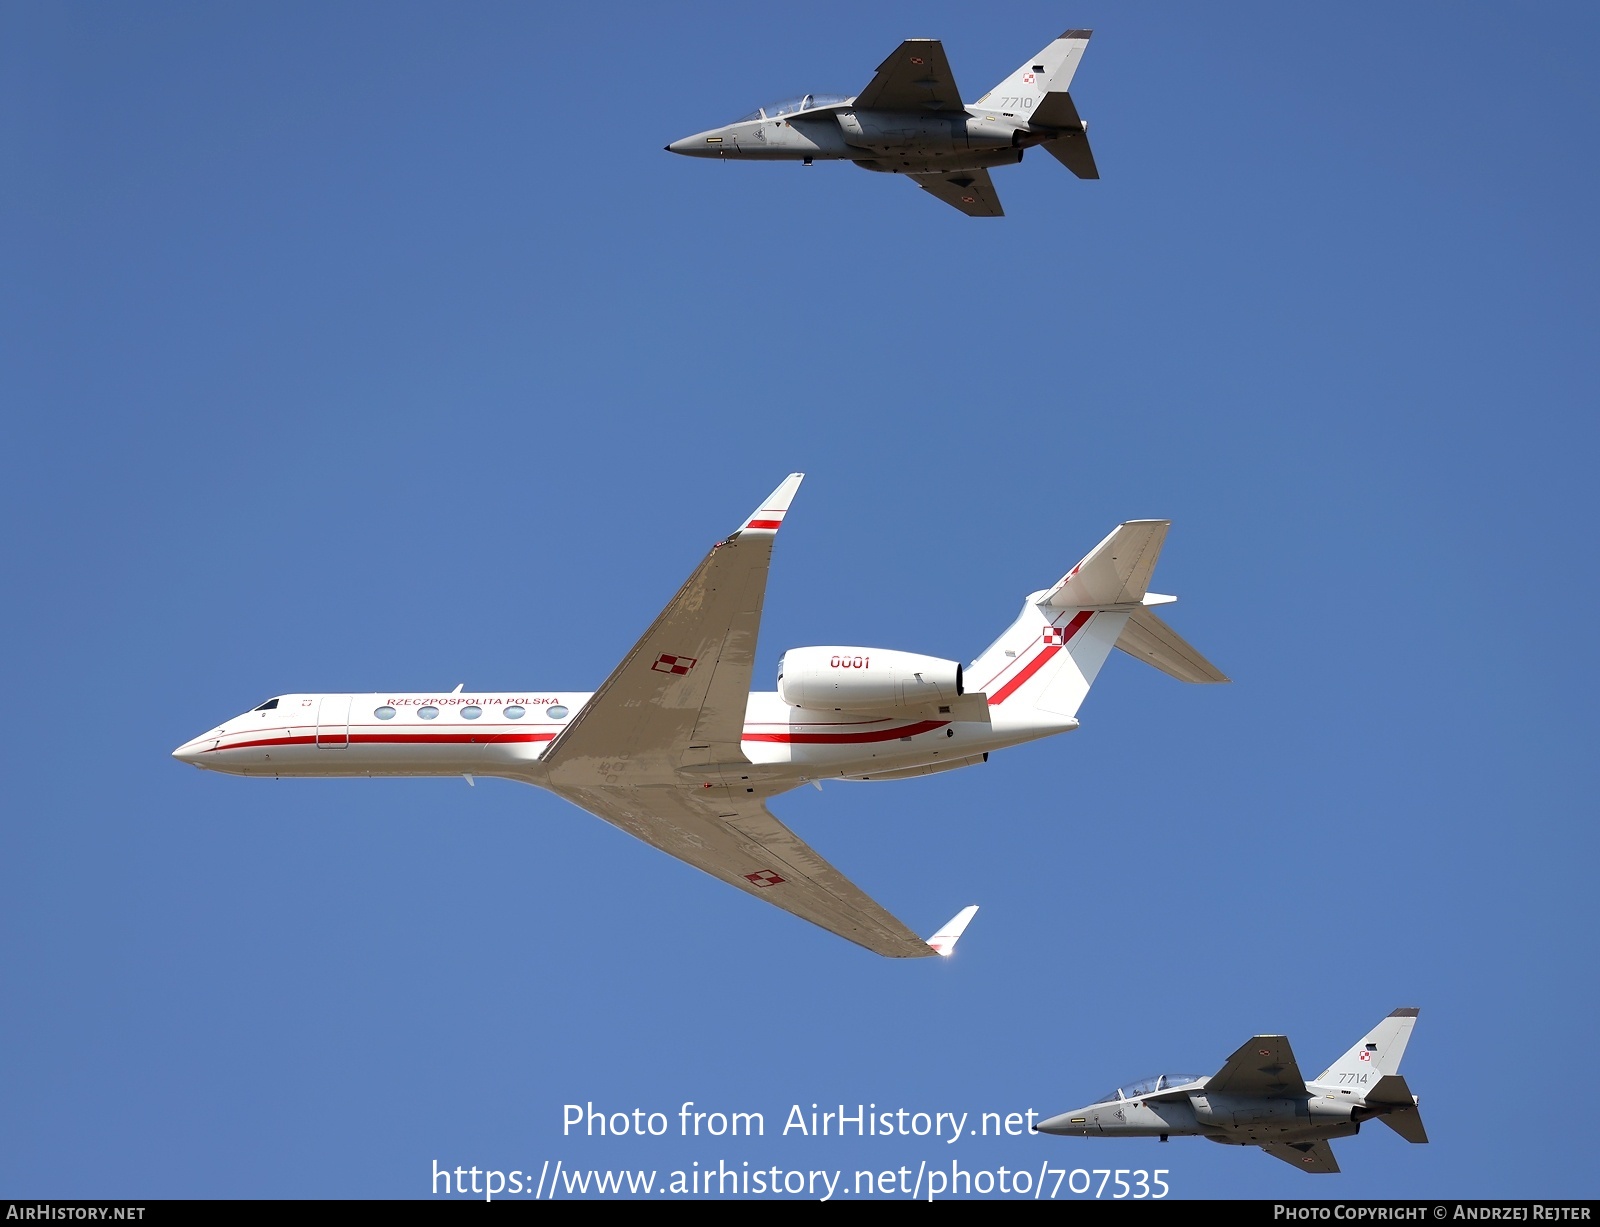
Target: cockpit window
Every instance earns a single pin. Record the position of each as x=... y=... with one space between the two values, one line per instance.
x=268 y=705
x=792 y=106
x=1148 y=1086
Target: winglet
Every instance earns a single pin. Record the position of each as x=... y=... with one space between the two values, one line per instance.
x=768 y=517
x=944 y=941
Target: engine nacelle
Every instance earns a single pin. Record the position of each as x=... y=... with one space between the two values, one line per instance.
x=865 y=679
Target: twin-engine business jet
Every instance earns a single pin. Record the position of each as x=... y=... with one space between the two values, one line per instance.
x=675 y=748
x=910 y=120
x=1259 y=1098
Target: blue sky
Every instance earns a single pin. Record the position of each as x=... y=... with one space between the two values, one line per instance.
x=364 y=347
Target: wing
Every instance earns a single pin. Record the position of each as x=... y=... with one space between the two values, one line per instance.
x=1264 y=1066
x=678 y=698
x=1314 y=1157
x=651 y=751
x=736 y=839
x=971 y=191
x=916 y=77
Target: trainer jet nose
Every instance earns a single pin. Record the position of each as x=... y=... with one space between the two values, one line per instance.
x=700 y=145
x=1068 y=1124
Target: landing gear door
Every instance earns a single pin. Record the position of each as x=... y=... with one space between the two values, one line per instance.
x=333 y=722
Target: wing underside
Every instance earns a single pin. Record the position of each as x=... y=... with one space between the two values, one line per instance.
x=971 y=191
x=915 y=77
x=1264 y=1066
x=1314 y=1157
x=657 y=750
x=739 y=841
x=678 y=698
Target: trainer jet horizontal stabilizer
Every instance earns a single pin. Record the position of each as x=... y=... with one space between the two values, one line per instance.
x=910 y=121
x=676 y=749
x=1260 y=1099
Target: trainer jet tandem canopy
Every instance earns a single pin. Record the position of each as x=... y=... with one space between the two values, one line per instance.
x=1260 y=1099
x=910 y=120
x=674 y=747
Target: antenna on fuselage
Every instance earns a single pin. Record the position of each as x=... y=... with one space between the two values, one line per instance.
x=457 y=690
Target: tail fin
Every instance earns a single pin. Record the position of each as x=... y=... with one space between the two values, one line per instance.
x=1070 y=144
x=1372 y=1070
x=1051 y=69
x=1377 y=1053
x=1043 y=666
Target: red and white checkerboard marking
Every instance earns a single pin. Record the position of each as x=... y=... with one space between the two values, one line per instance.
x=763 y=879
x=1363 y=1056
x=1054 y=636
x=678 y=665
x=1027 y=78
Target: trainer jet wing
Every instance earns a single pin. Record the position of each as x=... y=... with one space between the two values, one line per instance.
x=915 y=77
x=656 y=751
x=1314 y=1157
x=1264 y=1066
x=971 y=191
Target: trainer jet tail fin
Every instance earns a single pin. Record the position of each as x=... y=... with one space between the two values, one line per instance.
x=1051 y=69
x=1376 y=1054
x=1407 y=1122
x=1070 y=146
x=1402 y=1114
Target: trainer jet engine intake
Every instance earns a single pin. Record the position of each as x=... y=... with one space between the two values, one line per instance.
x=910 y=121
x=675 y=749
x=1260 y=1099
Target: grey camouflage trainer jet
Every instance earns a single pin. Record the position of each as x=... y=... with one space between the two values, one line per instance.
x=910 y=120
x=1259 y=1099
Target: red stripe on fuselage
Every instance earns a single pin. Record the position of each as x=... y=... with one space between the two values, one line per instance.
x=1072 y=628
x=842 y=739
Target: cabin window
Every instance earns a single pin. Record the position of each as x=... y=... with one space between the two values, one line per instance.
x=556 y=713
x=515 y=713
x=471 y=712
x=428 y=713
x=384 y=713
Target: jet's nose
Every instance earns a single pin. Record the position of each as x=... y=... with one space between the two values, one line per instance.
x=1068 y=1124
x=190 y=751
x=701 y=145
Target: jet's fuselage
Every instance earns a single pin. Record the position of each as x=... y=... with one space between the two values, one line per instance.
x=507 y=734
x=899 y=141
x=1239 y=1120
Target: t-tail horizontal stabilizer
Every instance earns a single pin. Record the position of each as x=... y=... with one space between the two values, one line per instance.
x=944 y=941
x=1116 y=576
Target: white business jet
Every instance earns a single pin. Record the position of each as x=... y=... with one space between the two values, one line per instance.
x=676 y=749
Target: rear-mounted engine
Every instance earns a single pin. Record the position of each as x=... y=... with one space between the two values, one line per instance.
x=865 y=679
